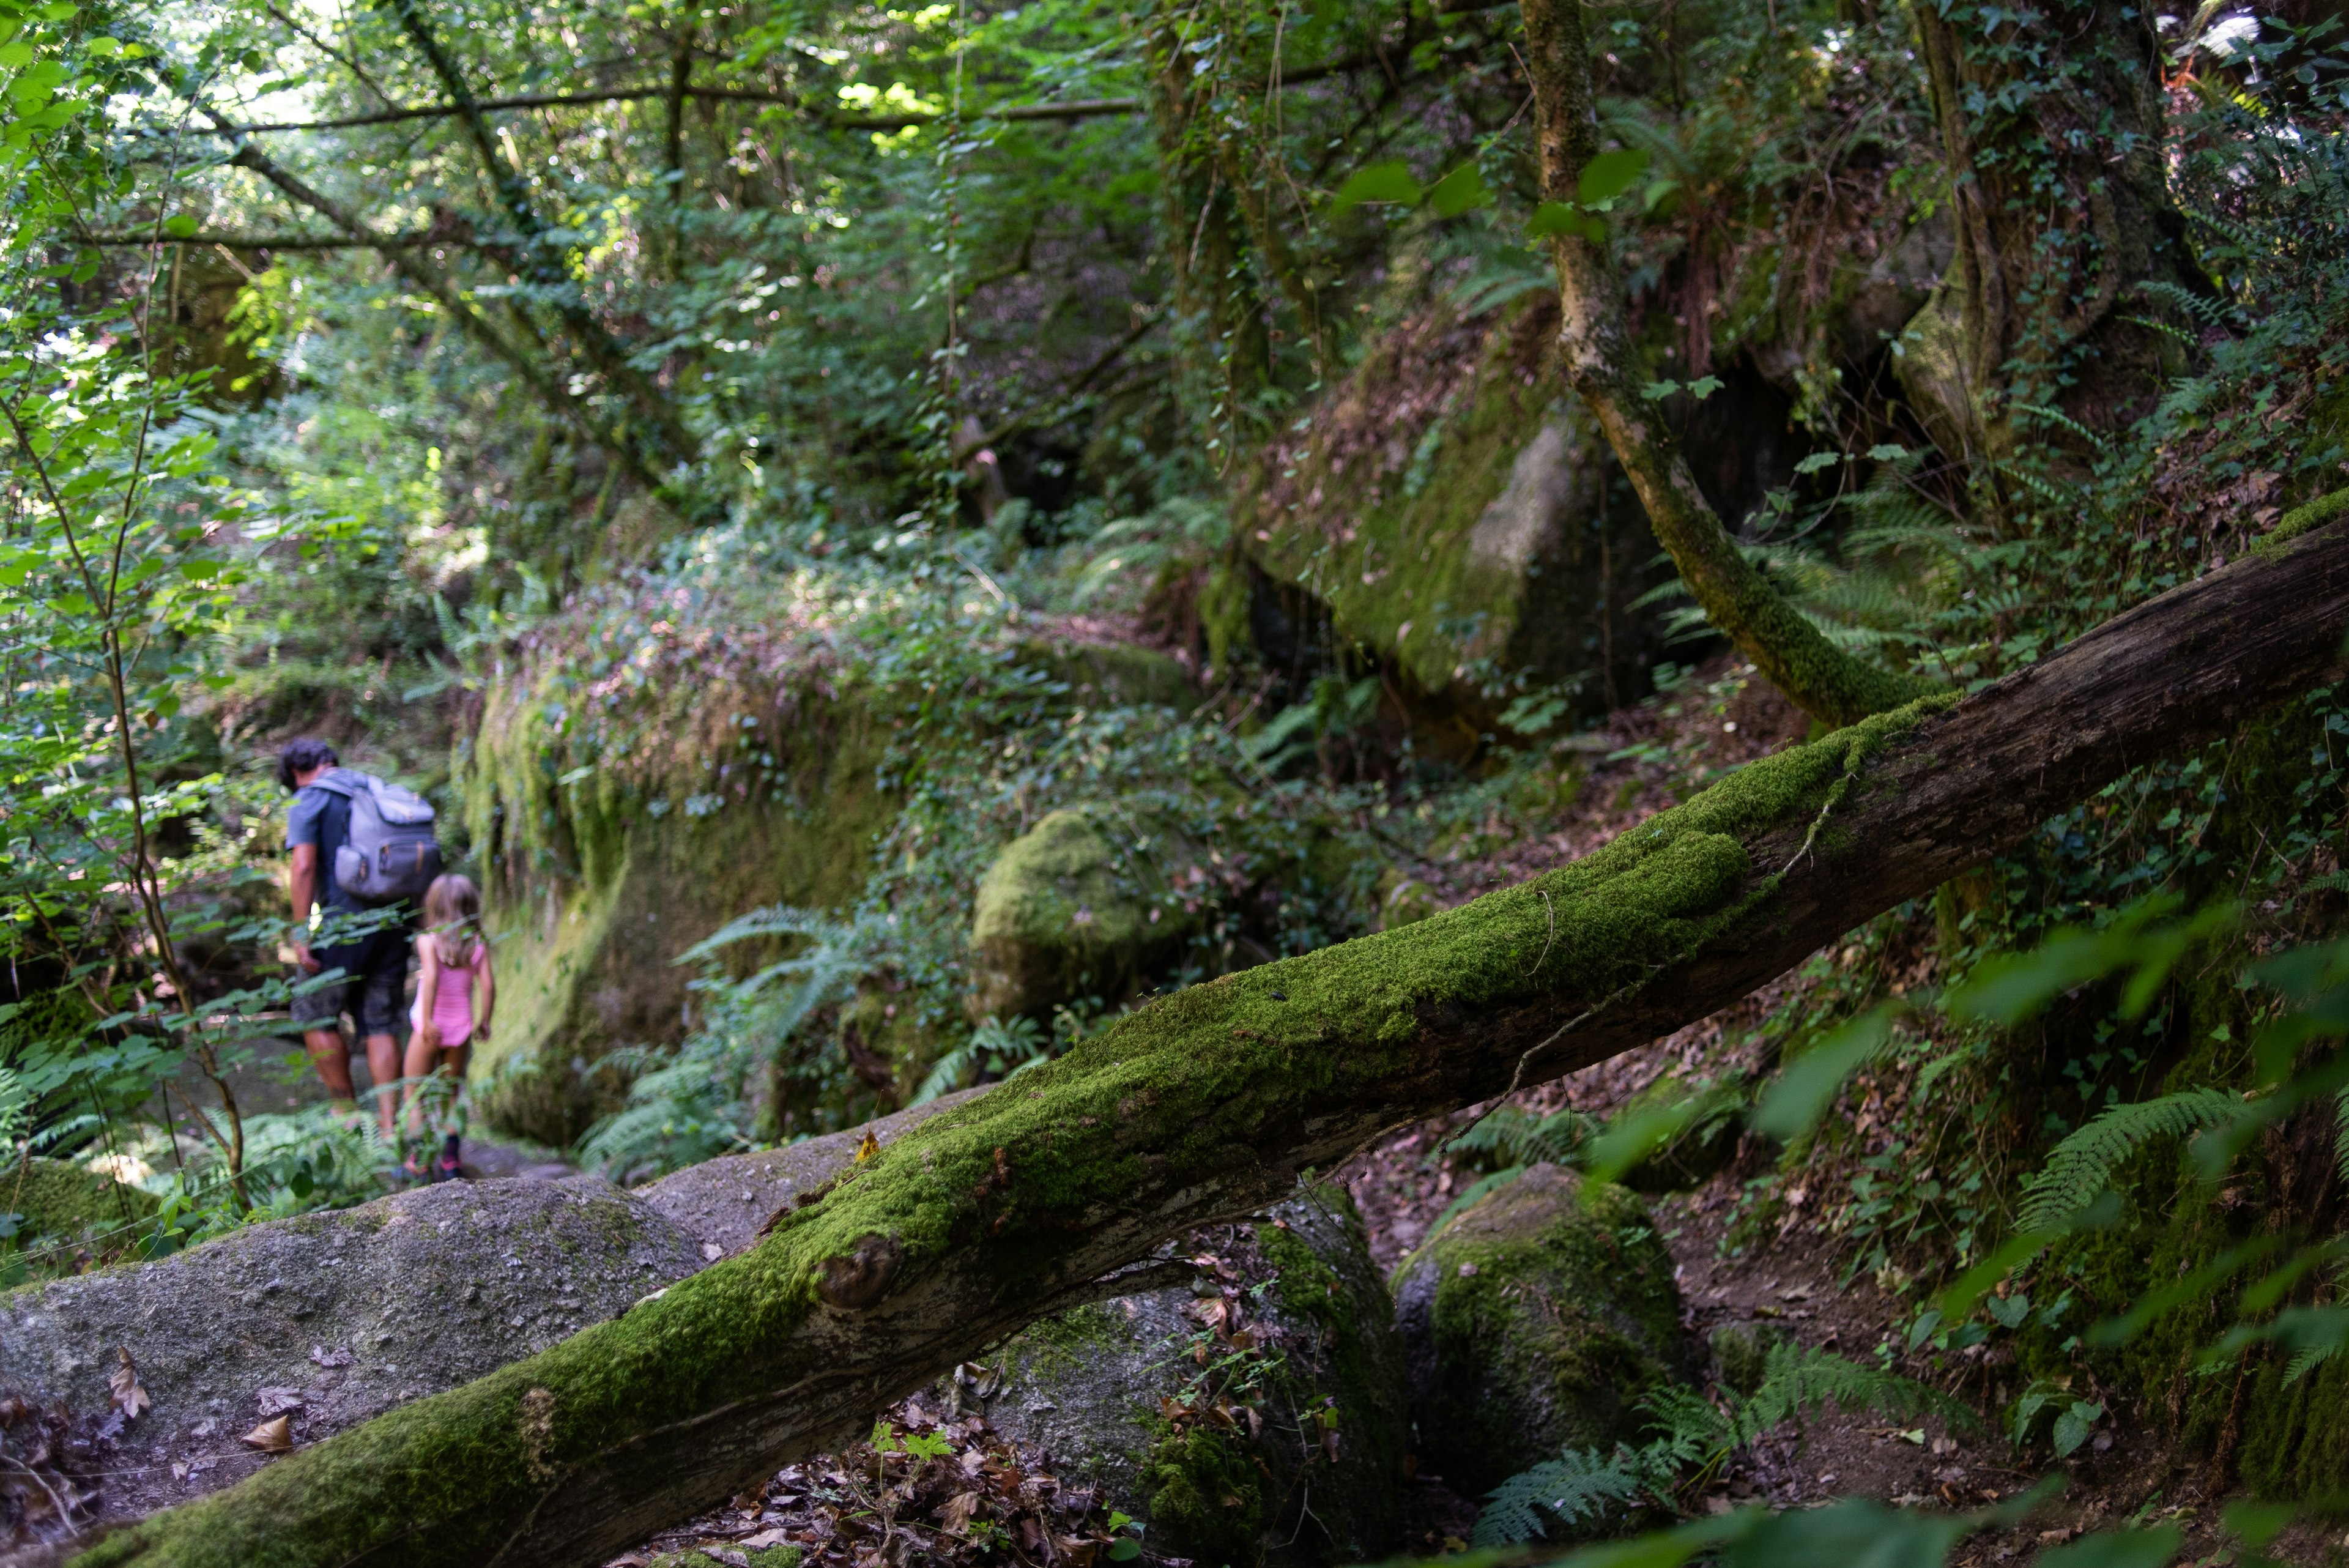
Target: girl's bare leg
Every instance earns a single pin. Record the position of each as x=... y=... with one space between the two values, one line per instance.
x=421 y=1057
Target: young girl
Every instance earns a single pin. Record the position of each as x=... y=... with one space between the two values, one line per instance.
x=455 y=993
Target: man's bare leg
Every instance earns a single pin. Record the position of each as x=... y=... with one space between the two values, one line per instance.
x=384 y=1067
x=332 y=1058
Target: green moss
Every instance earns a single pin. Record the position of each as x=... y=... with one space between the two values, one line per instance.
x=59 y=1198
x=1158 y=1103
x=1205 y=1493
x=597 y=877
x=1450 y=507
x=2300 y=519
x=1073 y=1339
x=1223 y=613
x=1537 y=1319
x=1076 y=906
x=1358 y=1353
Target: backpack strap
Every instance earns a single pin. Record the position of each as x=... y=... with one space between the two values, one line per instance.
x=344 y=786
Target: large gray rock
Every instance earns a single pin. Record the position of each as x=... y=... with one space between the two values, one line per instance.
x=723 y=1202
x=1284 y=1445
x=328 y=1319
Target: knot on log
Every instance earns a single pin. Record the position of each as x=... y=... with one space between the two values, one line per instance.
x=857 y=1280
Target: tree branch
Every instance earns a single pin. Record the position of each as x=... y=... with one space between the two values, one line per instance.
x=1072 y=108
x=1205 y=1103
x=1602 y=366
x=531 y=368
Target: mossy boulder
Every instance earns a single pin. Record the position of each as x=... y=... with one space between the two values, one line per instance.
x=598 y=874
x=1535 y=1321
x=1085 y=903
x=1256 y=1415
x=636 y=778
x=59 y=1198
x=1451 y=505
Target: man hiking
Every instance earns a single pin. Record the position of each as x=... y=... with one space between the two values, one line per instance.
x=374 y=986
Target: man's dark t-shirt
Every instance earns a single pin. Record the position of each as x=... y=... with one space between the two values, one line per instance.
x=322 y=816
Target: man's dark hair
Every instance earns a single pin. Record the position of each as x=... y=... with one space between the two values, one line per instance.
x=300 y=756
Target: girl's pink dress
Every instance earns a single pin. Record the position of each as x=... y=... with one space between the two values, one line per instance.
x=452 y=1002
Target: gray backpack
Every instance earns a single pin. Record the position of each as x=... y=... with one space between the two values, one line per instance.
x=389 y=853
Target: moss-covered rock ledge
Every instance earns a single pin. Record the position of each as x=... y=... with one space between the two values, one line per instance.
x=640 y=774
x=1206 y=1103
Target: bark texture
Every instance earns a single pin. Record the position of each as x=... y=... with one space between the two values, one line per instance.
x=1206 y=1103
x=1602 y=366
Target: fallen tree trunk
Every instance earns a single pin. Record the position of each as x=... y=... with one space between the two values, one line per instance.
x=1206 y=1103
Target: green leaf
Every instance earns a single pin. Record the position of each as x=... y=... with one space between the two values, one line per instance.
x=15 y=56
x=1888 y=452
x=2073 y=1427
x=1631 y=1138
x=1705 y=386
x=1381 y=183
x=1608 y=175
x=2010 y=1311
x=105 y=48
x=1461 y=191
x=1817 y=461
x=1657 y=392
x=2257 y=1523
x=1811 y=1082
x=179 y=226
x=1124 y=1551
x=200 y=570
x=1659 y=191
x=2116 y=1549
x=1560 y=218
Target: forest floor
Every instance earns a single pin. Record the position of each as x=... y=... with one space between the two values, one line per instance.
x=1737 y=1263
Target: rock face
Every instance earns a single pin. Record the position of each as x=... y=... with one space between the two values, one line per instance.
x=328 y=1319
x=632 y=784
x=1256 y=1415
x=1078 y=906
x=1453 y=505
x=1533 y=1322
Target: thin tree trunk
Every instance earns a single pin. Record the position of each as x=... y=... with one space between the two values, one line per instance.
x=2052 y=134
x=664 y=439
x=1603 y=368
x=533 y=362
x=1206 y=1103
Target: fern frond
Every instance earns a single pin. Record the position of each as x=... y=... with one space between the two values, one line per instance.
x=2308 y=1361
x=1797 y=1378
x=2081 y=1166
x=2341 y=1135
x=1578 y=1484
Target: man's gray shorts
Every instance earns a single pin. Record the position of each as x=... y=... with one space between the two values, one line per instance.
x=372 y=991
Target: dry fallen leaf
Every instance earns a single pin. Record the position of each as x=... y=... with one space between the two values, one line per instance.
x=956 y=1515
x=868 y=1149
x=272 y=1436
x=277 y=1401
x=128 y=1397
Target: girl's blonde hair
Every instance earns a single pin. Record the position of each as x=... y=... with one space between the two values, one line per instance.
x=452 y=917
